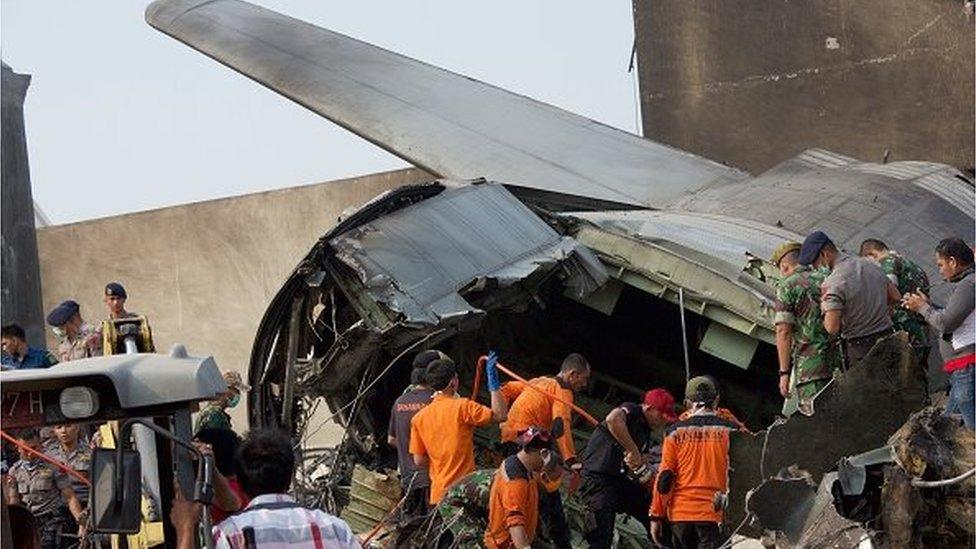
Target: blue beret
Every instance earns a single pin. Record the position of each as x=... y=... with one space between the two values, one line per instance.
x=811 y=247
x=62 y=313
x=116 y=289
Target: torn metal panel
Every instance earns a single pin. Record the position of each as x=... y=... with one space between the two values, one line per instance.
x=711 y=257
x=419 y=261
x=855 y=413
x=911 y=206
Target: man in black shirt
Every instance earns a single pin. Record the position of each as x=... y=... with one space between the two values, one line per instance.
x=413 y=478
x=620 y=445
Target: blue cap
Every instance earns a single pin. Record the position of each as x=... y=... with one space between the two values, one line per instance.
x=63 y=313
x=811 y=247
x=116 y=289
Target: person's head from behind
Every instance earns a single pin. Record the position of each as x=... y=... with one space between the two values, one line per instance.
x=420 y=363
x=31 y=438
x=953 y=256
x=701 y=392
x=575 y=371
x=224 y=443
x=13 y=340
x=875 y=249
x=23 y=528
x=265 y=462
x=441 y=375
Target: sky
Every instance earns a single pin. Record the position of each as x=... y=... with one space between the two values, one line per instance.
x=121 y=118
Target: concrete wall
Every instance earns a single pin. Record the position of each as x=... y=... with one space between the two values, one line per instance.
x=20 y=284
x=204 y=272
x=753 y=82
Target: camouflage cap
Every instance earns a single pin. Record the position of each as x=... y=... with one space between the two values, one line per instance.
x=785 y=248
x=701 y=389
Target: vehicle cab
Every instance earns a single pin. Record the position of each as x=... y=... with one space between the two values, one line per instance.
x=112 y=391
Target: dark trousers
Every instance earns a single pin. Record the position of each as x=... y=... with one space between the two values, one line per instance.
x=52 y=526
x=697 y=535
x=416 y=503
x=607 y=495
x=551 y=513
x=855 y=349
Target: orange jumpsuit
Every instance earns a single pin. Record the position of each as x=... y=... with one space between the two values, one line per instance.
x=528 y=407
x=694 y=468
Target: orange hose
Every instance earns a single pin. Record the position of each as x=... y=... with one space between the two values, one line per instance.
x=477 y=383
x=44 y=457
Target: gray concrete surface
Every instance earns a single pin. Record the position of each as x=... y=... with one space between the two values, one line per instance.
x=20 y=284
x=753 y=82
x=203 y=272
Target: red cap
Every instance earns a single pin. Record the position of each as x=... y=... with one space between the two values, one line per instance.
x=662 y=401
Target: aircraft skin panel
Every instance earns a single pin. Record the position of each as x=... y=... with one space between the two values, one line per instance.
x=446 y=123
x=910 y=206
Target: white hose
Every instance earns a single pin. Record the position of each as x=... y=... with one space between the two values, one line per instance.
x=919 y=483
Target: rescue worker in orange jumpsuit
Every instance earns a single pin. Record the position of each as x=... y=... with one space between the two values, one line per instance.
x=552 y=398
x=442 y=433
x=513 y=504
x=692 y=483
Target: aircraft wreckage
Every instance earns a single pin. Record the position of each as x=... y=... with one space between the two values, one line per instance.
x=548 y=233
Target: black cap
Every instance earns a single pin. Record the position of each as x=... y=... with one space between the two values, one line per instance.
x=426 y=357
x=63 y=313
x=116 y=289
x=811 y=247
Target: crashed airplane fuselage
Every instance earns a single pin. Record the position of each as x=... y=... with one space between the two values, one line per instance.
x=647 y=259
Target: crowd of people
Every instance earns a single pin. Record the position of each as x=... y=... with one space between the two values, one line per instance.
x=668 y=470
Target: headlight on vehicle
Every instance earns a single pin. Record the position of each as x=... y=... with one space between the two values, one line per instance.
x=78 y=402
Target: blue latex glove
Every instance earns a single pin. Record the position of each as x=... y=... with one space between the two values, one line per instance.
x=491 y=372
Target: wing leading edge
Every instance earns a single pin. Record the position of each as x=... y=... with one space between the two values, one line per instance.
x=445 y=123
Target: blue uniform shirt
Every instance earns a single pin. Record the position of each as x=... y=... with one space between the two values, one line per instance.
x=35 y=358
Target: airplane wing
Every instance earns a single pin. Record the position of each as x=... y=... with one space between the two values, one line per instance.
x=445 y=123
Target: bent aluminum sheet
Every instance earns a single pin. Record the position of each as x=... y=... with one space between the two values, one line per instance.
x=446 y=123
x=728 y=239
x=416 y=260
x=911 y=206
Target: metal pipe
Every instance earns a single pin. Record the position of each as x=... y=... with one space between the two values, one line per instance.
x=919 y=483
x=684 y=332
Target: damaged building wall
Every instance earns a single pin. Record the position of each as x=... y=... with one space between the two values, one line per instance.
x=205 y=272
x=751 y=83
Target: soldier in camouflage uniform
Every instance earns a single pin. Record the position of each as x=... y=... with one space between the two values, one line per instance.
x=464 y=509
x=809 y=357
x=910 y=278
x=46 y=492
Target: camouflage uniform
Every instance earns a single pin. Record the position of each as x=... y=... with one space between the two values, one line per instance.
x=39 y=486
x=909 y=277
x=212 y=416
x=815 y=356
x=464 y=509
x=87 y=344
